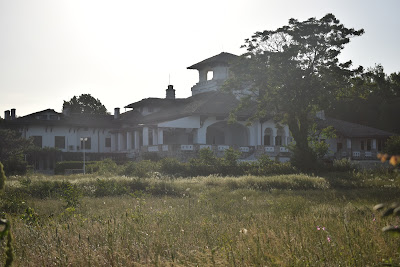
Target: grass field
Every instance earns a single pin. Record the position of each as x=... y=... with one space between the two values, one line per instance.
x=289 y=220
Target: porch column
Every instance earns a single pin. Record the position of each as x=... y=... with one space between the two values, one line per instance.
x=128 y=140
x=120 y=142
x=160 y=136
x=137 y=140
x=155 y=139
x=374 y=144
x=201 y=134
x=113 y=142
x=145 y=136
x=274 y=134
x=348 y=143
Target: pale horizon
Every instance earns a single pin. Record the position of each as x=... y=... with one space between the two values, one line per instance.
x=121 y=51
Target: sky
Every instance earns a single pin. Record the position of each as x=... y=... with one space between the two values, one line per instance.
x=123 y=51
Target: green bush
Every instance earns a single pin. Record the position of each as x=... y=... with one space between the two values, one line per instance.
x=109 y=188
x=172 y=166
x=265 y=166
x=152 y=156
x=2 y=177
x=104 y=167
x=141 y=169
x=343 y=165
x=63 y=165
x=392 y=146
x=71 y=193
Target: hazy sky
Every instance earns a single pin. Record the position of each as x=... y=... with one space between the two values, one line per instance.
x=124 y=51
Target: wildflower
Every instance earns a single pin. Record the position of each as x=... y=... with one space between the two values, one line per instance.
x=373 y=219
x=244 y=198
x=188 y=189
x=383 y=157
x=329 y=239
x=323 y=228
x=243 y=231
x=394 y=160
x=318 y=228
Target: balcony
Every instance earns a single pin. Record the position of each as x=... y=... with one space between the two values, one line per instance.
x=206 y=86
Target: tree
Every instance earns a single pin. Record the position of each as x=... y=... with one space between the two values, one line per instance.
x=13 y=147
x=292 y=72
x=375 y=102
x=84 y=104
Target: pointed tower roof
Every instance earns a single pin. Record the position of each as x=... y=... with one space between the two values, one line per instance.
x=220 y=59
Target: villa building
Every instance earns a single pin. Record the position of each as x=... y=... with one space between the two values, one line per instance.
x=180 y=127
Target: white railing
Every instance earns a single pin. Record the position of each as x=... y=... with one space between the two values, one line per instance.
x=165 y=148
x=186 y=147
x=206 y=146
x=152 y=149
x=269 y=149
x=223 y=148
x=283 y=149
x=244 y=149
x=368 y=154
x=356 y=154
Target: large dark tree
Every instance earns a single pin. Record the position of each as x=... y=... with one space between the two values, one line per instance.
x=84 y=104
x=376 y=101
x=294 y=71
x=13 y=149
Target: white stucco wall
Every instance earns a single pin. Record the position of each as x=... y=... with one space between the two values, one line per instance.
x=187 y=122
x=72 y=137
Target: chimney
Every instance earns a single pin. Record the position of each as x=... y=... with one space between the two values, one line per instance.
x=7 y=115
x=170 y=92
x=13 y=113
x=116 y=113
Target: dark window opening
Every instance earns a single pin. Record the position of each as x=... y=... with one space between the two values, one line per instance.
x=339 y=146
x=381 y=144
x=190 y=139
x=108 y=142
x=278 y=140
x=88 y=143
x=369 y=144
x=150 y=137
x=267 y=140
x=362 y=145
x=59 y=142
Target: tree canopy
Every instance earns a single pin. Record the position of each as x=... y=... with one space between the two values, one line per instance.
x=13 y=147
x=376 y=101
x=294 y=71
x=84 y=104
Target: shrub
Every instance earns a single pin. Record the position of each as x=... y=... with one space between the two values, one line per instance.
x=109 y=188
x=63 y=165
x=172 y=166
x=71 y=194
x=152 y=156
x=2 y=177
x=392 y=146
x=343 y=165
x=140 y=169
x=104 y=167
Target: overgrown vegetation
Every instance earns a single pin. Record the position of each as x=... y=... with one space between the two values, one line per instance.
x=288 y=220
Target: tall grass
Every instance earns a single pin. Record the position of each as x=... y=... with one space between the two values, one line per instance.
x=294 y=220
